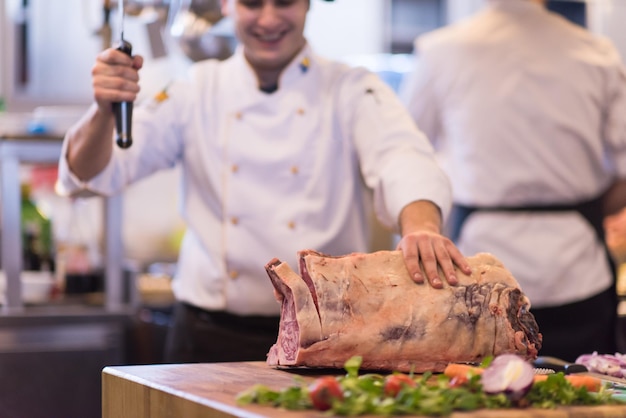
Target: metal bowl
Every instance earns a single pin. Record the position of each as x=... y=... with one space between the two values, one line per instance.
x=201 y=30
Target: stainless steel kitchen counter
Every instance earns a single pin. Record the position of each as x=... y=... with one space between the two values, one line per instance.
x=51 y=358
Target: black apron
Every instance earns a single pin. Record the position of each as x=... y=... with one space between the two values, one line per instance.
x=592 y=210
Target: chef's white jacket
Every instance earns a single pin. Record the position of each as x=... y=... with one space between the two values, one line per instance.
x=267 y=175
x=525 y=107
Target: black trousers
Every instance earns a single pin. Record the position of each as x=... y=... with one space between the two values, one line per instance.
x=579 y=328
x=199 y=336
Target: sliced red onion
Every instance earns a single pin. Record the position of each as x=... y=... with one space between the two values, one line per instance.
x=509 y=374
x=622 y=358
x=612 y=365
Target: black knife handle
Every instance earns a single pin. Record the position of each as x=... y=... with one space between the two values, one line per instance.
x=559 y=365
x=124 y=110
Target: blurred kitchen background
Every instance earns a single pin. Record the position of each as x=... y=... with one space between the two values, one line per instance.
x=87 y=284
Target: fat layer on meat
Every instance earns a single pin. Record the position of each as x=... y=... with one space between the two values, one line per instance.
x=367 y=305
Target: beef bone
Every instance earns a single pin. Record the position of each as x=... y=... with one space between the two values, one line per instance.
x=367 y=305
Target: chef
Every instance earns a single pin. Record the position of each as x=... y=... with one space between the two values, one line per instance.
x=528 y=114
x=281 y=150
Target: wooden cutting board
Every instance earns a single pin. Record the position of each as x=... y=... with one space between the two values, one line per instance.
x=209 y=390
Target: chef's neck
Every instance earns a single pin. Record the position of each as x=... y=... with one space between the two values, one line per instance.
x=268 y=80
x=268 y=75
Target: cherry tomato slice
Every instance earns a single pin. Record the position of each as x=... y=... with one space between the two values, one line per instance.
x=395 y=382
x=323 y=391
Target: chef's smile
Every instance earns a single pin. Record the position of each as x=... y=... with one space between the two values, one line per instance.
x=269 y=40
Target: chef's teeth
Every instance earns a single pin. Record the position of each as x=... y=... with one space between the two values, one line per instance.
x=270 y=38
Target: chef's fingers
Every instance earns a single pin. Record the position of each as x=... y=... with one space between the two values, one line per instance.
x=109 y=89
x=458 y=258
x=429 y=261
x=420 y=258
x=411 y=259
x=113 y=56
x=126 y=68
x=445 y=262
x=115 y=77
x=137 y=62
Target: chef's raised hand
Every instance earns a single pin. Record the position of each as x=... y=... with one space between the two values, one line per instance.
x=425 y=250
x=115 y=78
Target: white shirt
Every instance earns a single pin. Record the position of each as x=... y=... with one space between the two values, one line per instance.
x=265 y=176
x=525 y=107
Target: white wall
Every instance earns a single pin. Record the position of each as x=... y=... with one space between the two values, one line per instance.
x=346 y=27
x=62 y=46
x=607 y=17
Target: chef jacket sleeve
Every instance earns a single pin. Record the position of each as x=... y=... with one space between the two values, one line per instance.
x=397 y=160
x=68 y=184
x=157 y=144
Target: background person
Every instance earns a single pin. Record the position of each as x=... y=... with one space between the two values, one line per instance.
x=528 y=114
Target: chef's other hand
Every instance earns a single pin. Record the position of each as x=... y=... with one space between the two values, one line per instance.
x=422 y=243
x=433 y=251
x=115 y=78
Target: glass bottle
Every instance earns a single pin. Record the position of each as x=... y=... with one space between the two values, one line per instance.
x=36 y=235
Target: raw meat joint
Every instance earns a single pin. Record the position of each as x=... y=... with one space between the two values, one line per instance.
x=367 y=305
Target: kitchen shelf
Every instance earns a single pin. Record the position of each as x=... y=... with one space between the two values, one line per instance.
x=16 y=150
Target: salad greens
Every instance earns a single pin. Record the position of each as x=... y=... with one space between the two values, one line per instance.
x=432 y=395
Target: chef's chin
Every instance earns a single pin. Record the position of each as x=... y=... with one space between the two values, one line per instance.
x=269 y=59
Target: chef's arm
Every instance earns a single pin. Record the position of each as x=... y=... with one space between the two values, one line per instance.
x=422 y=242
x=615 y=197
x=115 y=78
x=90 y=143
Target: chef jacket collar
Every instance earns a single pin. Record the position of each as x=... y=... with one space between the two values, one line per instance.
x=297 y=68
